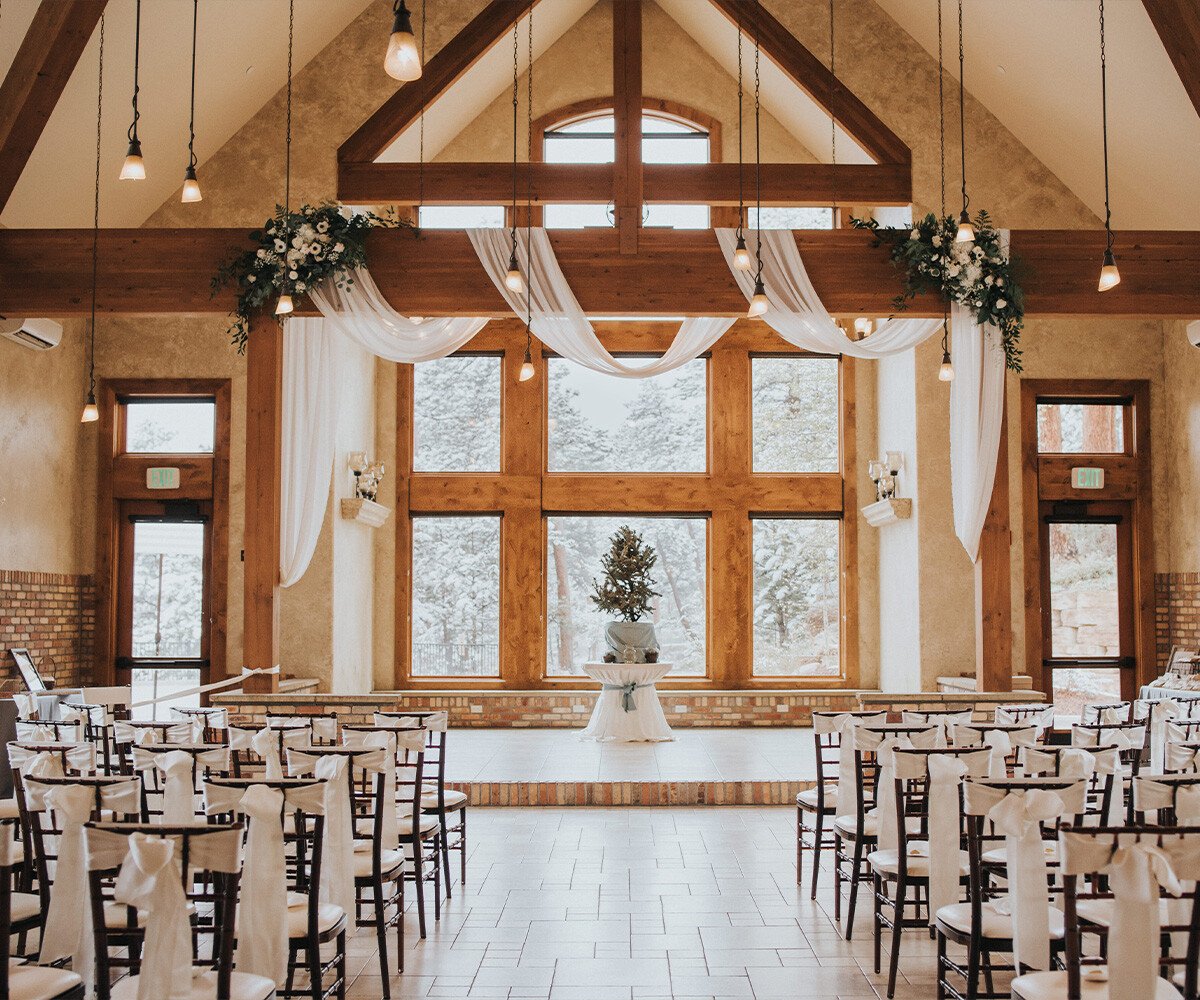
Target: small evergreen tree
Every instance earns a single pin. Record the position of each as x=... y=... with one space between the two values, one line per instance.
x=626 y=590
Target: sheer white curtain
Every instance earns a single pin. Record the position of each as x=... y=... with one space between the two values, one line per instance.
x=559 y=322
x=976 y=394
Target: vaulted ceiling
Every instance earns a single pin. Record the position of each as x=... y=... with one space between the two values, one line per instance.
x=1034 y=64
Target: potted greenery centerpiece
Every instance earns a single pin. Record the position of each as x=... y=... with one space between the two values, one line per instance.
x=626 y=591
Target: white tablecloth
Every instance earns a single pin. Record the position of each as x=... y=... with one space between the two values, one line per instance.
x=610 y=721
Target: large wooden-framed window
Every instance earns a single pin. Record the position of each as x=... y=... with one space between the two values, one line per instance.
x=1089 y=612
x=729 y=513
x=162 y=533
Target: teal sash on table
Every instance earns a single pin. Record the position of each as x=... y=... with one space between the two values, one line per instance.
x=626 y=690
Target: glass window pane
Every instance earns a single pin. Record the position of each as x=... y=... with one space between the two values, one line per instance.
x=579 y=216
x=461 y=216
x=795 y=414
x=168 y=590
x=456 y=596
x=575 y=626
x=160 y=682
x=689 y=148
x=1075 y=687
x=1091 y=428
x=456 y=415
x=579 y=149
x=797 y=598
x=170 y=427
x=600 y=423
x=676 y=216
x=777 y=217
x=1084 y=600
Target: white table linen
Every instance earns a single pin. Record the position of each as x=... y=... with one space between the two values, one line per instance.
x=645 y=721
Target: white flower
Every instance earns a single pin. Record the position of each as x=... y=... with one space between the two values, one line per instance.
x=953 y=270
x=300 y=286
x=280 y=246
x=307 y=231
x=297 y=242
x=293 y=275
x=987 y=279
x=1001 y=303
x=915 y=235
x=252 y=277
x=338 y=248
x=999 y=282
x=322 y=226
x=937 y=241
x=261 y=253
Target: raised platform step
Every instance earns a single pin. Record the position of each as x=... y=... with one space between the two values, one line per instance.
x=632 y=793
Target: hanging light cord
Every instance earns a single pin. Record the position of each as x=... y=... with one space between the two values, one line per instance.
x=757 y=152
x=741 y=156
x=832 y=117
x=192 y=113
x=287 y=152
x=962 y=103
x=1104 y=123
x=942 y=106
x=516 y=57
x=96 y=221
x=421 y=153
x=137 y=50
x=528 y=192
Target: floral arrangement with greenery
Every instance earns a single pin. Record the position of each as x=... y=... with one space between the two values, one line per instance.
x=627 y=587
x=295 y=252
x=977 y=275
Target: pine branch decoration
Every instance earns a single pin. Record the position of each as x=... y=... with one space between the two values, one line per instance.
x=627 y=589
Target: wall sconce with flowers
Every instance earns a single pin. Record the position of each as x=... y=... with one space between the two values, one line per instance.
x=367 y=476
x=885 y=474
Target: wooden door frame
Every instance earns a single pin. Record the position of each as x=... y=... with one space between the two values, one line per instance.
x=203 y=478
x=1128 y=476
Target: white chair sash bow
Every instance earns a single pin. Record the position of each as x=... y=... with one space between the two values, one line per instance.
x=843 y=724
x=1015 y=714
x=1161 y=712
x=48 y=762
x=386 y=741
x=79 y=717
x=266 y=742
x=883 y=743
x=177 y=768
x=1121 y=741
x=131 y=732
x=27 y=707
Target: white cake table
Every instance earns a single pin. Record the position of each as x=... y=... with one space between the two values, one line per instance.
x=628 y=709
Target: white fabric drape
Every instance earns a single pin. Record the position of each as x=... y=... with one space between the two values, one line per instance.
x=557 y=319
x=976 y=417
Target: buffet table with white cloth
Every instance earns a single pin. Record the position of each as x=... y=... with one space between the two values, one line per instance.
x=628 y=709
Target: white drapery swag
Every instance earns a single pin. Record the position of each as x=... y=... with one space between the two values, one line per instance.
x=976 y=394
x=557 y=319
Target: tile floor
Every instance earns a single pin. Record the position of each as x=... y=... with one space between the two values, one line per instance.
x=547 y=755
x=637 y=904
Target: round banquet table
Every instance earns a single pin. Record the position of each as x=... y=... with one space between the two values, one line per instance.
x=628 y=709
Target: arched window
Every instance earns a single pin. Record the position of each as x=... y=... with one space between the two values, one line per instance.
x=590 y=139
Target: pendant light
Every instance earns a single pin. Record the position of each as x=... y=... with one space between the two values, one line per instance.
x=403 y=59
x=966 y=231
x=134 y=167
x=513 y=280
x=946 y=369
x=759 y=303
x=527 y=370
x=191 y=187
x=91 y=412
x=741 y=256
x=1110 y=277
x=285 y=305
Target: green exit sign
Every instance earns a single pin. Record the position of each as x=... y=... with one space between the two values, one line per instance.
x=162 y=478
x=1083 y=478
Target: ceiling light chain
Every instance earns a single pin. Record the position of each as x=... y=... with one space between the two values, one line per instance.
x=1110 y=277
x=421 y=151
x=741 y=256
x=513 y=280
x=527 y=370
x=758 y=301
x=946 y=369
x=90 y=411
x=832 y=117
x=134 y=167
x=966 y=231
x=191 y=186
x=285 y=305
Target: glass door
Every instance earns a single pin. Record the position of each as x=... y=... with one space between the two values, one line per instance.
x=1087 y=604
x=164 y=609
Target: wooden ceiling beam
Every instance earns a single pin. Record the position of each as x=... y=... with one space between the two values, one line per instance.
x=674 y=272
x=813 y=77
x=440 y=73
x=1178 y=25
x=627 y=121
x=44 y=63
x=796 y=184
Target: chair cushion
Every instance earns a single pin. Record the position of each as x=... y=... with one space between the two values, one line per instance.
x=35 y=982
x=429 y=822
x=848 y=825
x=242 y=986
x=454 y=799
x=995 y=924
x=328 y=915
x=1099 y=911
x=388 y=861
x=9 y=809
x=1053 y=986
x=888 y=862
x=25 y=905
x=999 y=855
x=808 y=797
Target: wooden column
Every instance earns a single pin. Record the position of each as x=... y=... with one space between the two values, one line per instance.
x=627 y=110
x=993 y=606
x=264 y=438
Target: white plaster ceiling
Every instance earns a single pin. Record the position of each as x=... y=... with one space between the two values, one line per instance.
x=242 y=63
x=1035 y=64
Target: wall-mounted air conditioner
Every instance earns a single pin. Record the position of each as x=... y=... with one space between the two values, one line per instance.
x=40 y=334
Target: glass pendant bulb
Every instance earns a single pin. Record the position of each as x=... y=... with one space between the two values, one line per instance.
x=284 y=306
x=758 y=302
x=134 y=167
x=527 y=371
x=741 y=256
x=862 y=326
x=191 y=187
x=403 y=59
x=946 y=371
x=966 y=231
x=91 y=412
x=513 y=279
x=1110 y=277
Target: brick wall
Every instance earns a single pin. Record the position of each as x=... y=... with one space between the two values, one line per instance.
x=53 y=615
x=1176 y=613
